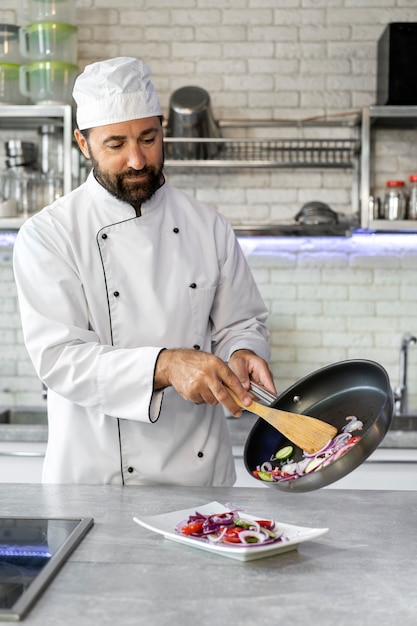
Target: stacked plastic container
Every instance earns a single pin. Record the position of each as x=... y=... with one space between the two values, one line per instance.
x=49 y=46
x=10 y=61
x=37 y=66
x=19 y=156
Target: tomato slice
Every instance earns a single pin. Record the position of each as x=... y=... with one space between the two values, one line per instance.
x=231 y=535
x=266 y=523
x=191 y=529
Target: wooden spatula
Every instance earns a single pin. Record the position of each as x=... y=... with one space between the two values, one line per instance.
x=308 y=433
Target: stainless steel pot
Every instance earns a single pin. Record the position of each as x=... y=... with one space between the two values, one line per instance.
x=191 y=116
x=357 y=387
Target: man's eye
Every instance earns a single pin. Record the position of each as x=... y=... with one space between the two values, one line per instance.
x=114 y=146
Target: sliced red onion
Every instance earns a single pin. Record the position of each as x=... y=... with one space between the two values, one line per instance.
x=214 y=529
x=213 y=538
x=324 y=448
x=227 y=518
x=333 y=450
x=341 y=439
x=316 y=464
x=256 y=526
x=244 y=535
x=301 y=465
x=354 y=424
x=289 y=468
x=283 y=479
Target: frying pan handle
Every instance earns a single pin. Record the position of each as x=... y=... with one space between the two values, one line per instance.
x=262 y=394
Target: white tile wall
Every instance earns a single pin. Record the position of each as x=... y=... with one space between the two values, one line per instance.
x=329 y=300
x=268 y=59
x=338 y=299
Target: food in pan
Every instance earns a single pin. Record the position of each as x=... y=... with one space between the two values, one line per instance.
x=282 y=467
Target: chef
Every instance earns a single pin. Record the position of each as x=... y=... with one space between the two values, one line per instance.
x=138 y=308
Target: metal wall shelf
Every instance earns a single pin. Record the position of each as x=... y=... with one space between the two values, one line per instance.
x=31 y=116
x=311 y=143
x=392 y=226
x=275 y=153
x=387 y=117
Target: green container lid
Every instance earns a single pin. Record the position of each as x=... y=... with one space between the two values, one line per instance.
x=56 y=66
x=10 y=70
x=59 y=27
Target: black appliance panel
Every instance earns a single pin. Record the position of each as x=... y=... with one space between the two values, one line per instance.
x=397 y=65
x=32 y=550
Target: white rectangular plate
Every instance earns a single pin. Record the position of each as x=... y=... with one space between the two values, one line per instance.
x=166 y=523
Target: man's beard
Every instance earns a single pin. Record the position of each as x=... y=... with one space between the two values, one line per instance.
x=134 y=193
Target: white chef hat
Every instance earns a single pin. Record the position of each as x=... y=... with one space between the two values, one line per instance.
x=112 y=91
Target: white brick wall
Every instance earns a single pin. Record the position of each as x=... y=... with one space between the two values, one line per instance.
x=332 y=300
x=268 y=59
x=258 y=58
x=329 y=300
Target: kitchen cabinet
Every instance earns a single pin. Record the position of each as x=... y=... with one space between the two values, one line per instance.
x=21 y=461
x=376 y=118
x=30 y=118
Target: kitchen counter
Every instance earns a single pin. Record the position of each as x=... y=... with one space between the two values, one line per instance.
x=24 y=432
x=361 y=572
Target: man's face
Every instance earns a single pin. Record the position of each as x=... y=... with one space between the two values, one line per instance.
x=127 y=158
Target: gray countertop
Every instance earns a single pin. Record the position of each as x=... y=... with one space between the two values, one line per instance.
x=362 y=572
x=23 y=432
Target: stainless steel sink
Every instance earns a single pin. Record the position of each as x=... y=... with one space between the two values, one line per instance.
x=407 y=422
x=23 y=415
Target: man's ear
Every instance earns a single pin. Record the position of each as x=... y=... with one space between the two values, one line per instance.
x=82 y=143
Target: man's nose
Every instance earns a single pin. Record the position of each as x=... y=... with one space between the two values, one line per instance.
x=136 y=159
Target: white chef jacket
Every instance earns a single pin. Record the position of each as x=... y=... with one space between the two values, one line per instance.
x=101 y=293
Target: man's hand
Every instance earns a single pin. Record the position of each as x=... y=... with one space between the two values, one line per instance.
x=200 y=377
x=249 y=367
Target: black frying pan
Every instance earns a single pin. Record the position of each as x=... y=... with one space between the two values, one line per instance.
x=357 y=387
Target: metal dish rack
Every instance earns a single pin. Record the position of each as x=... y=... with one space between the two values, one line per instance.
x=269 y=151
x=332 y=153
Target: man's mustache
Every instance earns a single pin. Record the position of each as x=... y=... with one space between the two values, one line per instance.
x=131 y=173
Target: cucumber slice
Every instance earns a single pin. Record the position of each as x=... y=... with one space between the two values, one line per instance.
x=313 y=465
x=284 y=453
x=265 y=476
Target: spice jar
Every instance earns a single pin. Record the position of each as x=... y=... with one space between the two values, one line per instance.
x=395 y=201
x=412 y=205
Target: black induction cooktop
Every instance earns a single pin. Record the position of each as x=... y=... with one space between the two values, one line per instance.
x=32 y=549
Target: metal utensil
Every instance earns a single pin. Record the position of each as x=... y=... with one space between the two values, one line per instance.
x=308 y=433
x=316 y=212
x=191 y=116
